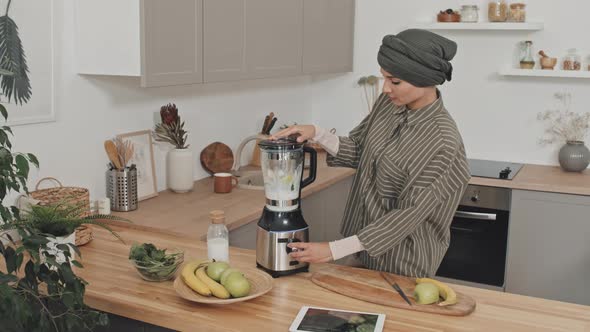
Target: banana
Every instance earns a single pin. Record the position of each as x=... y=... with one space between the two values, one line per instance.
x=216 y=289
x=446 y=292
x=191 y=280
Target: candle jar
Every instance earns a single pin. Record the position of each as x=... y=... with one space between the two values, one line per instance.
x=469 y=14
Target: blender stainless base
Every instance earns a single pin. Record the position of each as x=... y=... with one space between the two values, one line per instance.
x=276 y=274
x=275 y=231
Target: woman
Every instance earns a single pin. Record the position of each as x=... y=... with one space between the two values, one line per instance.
x=410 y=161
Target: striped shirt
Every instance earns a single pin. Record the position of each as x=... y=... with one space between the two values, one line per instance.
x=412 y=172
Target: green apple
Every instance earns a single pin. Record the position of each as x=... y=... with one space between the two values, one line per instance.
x=426 y=293
x=227 y=273
x=215 y=269
x=237 y=285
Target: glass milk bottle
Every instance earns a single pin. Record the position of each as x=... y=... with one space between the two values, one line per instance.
x=218 y=237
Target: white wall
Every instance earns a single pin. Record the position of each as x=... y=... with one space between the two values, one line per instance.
x=91 y=109
x=496 y=115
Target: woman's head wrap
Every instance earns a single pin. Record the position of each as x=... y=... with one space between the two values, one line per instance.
x=417 y=56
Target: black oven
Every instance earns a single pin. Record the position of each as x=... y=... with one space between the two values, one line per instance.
x=479 y=236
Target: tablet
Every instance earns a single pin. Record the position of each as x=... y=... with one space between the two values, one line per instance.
x=313 y=319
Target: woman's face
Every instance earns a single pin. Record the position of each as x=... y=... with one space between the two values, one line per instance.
x=400 y=92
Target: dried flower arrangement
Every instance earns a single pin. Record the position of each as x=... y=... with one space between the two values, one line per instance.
x=370 y=86
x=563 y=124
x=171 y=129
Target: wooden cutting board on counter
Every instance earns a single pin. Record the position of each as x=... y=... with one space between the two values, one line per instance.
x=217 y=158
x=370 y=286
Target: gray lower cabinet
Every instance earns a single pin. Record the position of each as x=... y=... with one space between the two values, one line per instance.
x=171 y=42
x=323 y=212
x=328 y=36
x=548 y=246
x=244 y=237
x=248 y=39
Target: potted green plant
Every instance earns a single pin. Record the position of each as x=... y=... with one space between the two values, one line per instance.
x=179 y=160
x=36 y=295
x=58 y=222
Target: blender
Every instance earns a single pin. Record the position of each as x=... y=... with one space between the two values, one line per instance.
x=282 y=222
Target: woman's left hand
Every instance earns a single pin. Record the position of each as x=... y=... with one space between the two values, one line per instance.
x=310 y=252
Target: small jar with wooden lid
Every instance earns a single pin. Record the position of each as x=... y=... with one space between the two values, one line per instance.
x=517 y=12
x=218 y=237
x=497 y=11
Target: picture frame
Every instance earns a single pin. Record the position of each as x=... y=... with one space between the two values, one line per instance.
x=143 y=158
x=35 y=20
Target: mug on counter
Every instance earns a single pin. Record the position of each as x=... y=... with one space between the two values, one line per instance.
x=224 y=182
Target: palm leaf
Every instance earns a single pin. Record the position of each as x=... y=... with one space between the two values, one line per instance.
x=15 y=85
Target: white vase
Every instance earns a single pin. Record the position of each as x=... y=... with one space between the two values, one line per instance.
x=179 y=170
x=52 y=249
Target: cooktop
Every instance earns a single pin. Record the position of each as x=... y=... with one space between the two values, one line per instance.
x=494 y=169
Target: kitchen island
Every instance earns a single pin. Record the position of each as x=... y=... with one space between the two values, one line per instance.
x=116 y=288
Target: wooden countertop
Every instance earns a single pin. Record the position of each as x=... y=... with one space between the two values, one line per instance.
x=543 y=178
x=115 y=287
x=188 y=214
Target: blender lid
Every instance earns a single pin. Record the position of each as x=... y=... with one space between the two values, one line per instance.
x=282 y=143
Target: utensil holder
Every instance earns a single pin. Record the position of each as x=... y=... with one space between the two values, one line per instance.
x=122 y=189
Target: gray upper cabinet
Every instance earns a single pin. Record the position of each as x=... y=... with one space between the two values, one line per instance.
x=248 y=39
x=177 y=42
x=171 y=35
x=548 y=247
x=328 y=36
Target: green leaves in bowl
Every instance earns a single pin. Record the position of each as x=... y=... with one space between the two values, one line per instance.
x=155 y=264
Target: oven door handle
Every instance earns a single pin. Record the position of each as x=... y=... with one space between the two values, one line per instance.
x=476 y=215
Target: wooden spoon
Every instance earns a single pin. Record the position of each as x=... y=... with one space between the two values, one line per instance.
x=111 y=150
x=128 y=152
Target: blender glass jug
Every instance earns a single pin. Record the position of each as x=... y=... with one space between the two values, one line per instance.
x=282 y=164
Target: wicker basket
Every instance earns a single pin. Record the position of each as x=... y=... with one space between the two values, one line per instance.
x=69 y=195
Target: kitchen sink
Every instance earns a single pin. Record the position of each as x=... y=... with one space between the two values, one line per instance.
x=251 y=180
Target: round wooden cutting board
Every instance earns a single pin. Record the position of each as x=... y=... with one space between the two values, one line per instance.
x=217 y=158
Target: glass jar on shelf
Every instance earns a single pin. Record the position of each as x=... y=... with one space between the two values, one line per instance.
x=469 y=14
x=497 y=11
x=526 y=60
x=572 y=60
x=517 y=12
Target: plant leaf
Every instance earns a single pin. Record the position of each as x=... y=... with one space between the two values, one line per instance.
x=4 y=112
x=77 y=264
x=23 y=165
x=33 y=159
x=17 y=86
x=10 y=258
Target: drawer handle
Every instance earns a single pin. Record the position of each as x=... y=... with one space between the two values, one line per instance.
x=476 y=215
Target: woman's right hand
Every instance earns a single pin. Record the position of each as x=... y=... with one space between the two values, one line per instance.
x=303 y=132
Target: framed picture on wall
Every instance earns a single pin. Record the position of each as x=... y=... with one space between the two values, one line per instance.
x=28 y=97
x=143 y=158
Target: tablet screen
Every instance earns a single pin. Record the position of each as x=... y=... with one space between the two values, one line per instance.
x=312 y=319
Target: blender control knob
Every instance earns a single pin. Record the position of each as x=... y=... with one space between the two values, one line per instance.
x=475 y=197
x=289 y=250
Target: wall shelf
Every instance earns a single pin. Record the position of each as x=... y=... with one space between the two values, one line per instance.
x=527 y=26
x=545 y=73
